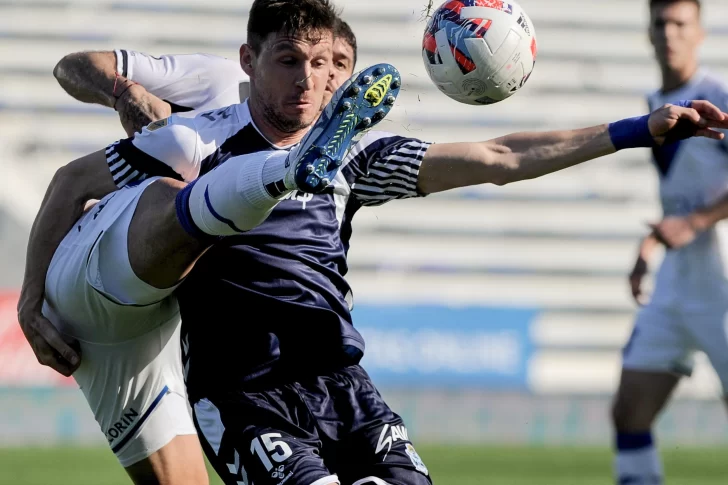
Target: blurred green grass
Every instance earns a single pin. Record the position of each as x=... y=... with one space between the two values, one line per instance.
x=456 y=465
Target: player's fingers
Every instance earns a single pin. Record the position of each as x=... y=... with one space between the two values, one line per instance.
x=708 y=133
x=47 y=356
x=689 y=114
x=720 y=124
x=48 y=332
x=708 y=109
x=60 y=365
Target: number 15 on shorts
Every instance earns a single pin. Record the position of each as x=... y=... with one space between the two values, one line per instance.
x=267 y=449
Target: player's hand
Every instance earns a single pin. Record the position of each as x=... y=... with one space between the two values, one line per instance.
x=639 y=271
x=687 y=119
x=675 y=232
x=138 y=107
x=51 y=348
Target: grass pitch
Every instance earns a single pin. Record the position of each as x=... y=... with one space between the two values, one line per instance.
x=449 y=465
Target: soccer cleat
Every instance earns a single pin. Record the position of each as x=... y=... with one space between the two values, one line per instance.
x=359 y=104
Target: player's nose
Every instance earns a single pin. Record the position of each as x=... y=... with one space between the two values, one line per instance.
x=305 y=79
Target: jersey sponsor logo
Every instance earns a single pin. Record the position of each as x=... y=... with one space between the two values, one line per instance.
x=390 y=435
x=303 y=197
x=158 y=124
x=128 y=418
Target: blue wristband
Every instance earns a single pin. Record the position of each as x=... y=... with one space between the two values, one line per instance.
x=635 y=132
x=631 y=133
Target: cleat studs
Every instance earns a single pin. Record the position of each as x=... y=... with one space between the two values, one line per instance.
x=396 y=83
x=366 y=122
x=346 y=106
x=389 y=101
x=366 y=79
x=355 y=90
x=379 y=71
x=338 y=162
x=310 y=169
x=379 y=115
x=325 y=182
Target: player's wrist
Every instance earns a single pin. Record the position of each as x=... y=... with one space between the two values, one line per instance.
x=699 y=221
x=631 y=133
x=124 y=92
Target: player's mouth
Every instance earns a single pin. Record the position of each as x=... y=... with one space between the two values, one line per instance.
x=300 y=105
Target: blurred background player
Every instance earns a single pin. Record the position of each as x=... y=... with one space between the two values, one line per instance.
x=688 y=308
x=143 y=88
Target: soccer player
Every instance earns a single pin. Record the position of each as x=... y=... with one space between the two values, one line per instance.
x=689 y=305
x=270 y=352
x=110 y=279
x=143 y=88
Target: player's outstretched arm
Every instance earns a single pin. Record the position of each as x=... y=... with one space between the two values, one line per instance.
x=72 y=186
x=524 y=156
x=92 y=77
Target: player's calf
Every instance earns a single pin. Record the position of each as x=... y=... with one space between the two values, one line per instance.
x=641 y=396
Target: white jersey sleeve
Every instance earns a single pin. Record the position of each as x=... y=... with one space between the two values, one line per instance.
x=387 y=167
x=172 y=147
x=188 y=82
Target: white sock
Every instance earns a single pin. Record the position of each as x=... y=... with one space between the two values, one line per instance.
x=235 y=197
x=637 y=461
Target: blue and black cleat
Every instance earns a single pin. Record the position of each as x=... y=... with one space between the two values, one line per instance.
x=359 y=104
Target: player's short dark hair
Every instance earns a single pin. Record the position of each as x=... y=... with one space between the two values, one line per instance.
x=307 y=18
x=655 y=3
x=343 y=30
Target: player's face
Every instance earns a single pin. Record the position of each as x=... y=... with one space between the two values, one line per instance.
x=288 y=79
x=676 y=34
x=342 y=70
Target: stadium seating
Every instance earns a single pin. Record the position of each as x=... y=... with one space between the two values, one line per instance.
x=561 y=245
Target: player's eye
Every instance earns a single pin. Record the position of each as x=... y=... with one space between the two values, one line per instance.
x=288 y=61
x=341 y=66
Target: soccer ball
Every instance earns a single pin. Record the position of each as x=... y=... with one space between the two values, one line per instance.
x=479 y=51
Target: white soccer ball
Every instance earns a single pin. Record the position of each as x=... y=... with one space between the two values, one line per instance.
x=479 y=51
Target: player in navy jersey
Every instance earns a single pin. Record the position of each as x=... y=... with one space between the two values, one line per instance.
x=143 y=88
x=113 y=296
x=688 y=308
x=270 y=351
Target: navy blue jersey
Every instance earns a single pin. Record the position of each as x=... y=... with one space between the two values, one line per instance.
x=273 y=300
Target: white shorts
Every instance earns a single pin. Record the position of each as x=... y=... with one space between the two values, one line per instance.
x=131 y=370
x=665 y=338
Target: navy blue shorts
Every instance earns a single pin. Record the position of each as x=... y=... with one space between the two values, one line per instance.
x=334 y=427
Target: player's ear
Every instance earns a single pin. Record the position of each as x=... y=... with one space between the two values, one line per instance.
x=247 y=59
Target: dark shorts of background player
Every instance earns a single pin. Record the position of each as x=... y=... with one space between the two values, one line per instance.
x=332 y=427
